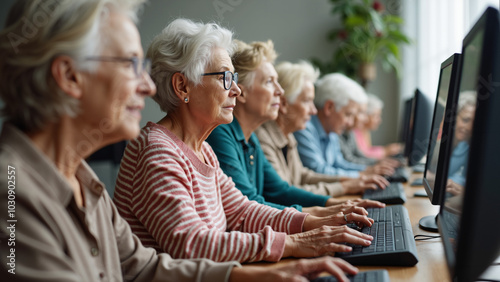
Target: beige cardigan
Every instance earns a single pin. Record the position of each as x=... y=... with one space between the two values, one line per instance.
x=291 y=170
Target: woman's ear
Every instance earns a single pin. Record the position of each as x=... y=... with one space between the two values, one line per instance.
x=242 y=98
x=283 y=105
x=180 y=85
x=67 y=77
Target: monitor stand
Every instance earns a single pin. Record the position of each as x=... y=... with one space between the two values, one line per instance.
x=417 y=182
x=429 y=223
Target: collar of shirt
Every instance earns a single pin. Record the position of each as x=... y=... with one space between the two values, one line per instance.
x=56 y=185
x=238 y=134
x=319 y=127
x=275 y=133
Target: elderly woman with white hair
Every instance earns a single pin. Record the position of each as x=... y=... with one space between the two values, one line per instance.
x=457 y=167
x=170 y=186
x=280 y=147
x=362 y=131
x=337 y=99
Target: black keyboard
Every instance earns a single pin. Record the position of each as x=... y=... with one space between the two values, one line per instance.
x=400 y=175
x=392 y=194
x=365 y=276
x=393 y=243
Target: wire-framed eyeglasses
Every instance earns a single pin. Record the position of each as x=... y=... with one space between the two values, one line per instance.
x=140 y=65
x=229 y=77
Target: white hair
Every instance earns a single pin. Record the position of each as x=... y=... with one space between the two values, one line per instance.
x=292 y=77
x=373 y=103
x=466 y=98
x=184 y=46
x=35 y=33
x=340 y=89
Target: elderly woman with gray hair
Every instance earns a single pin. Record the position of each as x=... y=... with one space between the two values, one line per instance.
x=170 y=187
x=280 y=147
x=457 y=168
x=337 y=99
x=371 y=122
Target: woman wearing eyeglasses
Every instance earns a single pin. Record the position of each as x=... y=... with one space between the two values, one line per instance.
x=170 y=187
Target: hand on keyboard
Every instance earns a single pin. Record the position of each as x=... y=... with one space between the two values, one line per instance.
x=364 y=182
x=299 y=270
x=364 y=203
x=312 y=222
x=326 y=240
x=380 y=169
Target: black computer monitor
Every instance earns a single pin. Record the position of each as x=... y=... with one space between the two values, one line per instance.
x=406 y=120
x=419 y=128
x=440 y=139
x=469 y=220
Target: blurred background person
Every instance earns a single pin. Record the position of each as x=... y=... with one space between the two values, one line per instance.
x=349 y=147
x=280 y=147
x=337 y=98
x=362 y=131
x=457 y=168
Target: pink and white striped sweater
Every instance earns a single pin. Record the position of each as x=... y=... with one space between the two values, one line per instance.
x=189 y=209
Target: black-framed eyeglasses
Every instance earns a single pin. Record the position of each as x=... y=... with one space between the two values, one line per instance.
x=229 y=77
x=140 y=65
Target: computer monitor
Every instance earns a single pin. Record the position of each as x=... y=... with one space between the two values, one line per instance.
x=406 y=120
x=440 y=139
x=419 y=128
x=468 y=219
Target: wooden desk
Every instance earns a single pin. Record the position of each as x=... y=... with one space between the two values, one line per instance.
x=431 y=264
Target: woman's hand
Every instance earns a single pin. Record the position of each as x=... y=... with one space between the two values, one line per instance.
x=359 y=218
x=346 y=206
x=364 y=182
x=380 y=169
x=454 y=188
x=393 y=149
x=390 y=162
x=332 y=210
x=294 y=271
x=326 y=240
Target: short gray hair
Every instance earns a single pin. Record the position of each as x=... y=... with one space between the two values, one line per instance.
x=340 y=89
x=293 y=76
x=373 y=103
x=466 y=98
x=36 y=33
x=184 y=46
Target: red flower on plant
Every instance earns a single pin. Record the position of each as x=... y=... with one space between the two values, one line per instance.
x=342 y=34
x=377 y=6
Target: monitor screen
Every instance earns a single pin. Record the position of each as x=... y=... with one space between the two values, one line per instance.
x=406 y=120
x=468 y=219
x=436 y=167
x=419 y=128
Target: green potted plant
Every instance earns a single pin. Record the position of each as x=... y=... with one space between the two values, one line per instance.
x=368 y=32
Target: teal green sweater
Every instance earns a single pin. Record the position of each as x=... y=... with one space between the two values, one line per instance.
x=253 y=174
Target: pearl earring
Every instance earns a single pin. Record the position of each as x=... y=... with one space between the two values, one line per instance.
x=186 y=100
